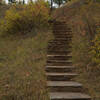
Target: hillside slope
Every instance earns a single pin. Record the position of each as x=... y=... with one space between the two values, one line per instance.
x=22 y=64
x=83 y=19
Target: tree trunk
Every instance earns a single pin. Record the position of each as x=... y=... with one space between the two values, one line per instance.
x=59 y=3
x=23 y=1
x=51 y=5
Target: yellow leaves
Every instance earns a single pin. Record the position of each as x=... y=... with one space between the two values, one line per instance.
x=95 y=49
x=24 y=18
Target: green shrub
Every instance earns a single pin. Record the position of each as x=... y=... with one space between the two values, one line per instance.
x=22 y=19
x=95 y=49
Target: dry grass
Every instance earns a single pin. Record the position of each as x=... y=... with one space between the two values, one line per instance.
x=76 y=15
x=3 y=9
x=22 y=67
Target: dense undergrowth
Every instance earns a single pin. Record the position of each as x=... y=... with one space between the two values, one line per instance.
x=84 y=19
x=86 y=48
x=24 y=34
x=22 y=19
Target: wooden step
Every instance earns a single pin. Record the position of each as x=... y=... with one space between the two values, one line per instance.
x=68 y=96
x=60 y=69
x=66 y=45
x=51 y=52
x=59 y=36
x=68 y=37
x=59 y=24
x=60 y=44
x=59 y=57
x=63 y=34
x=61 y=28
x=66 y=51
x=64 y=86
x=60 y=76
x=60 y=41
x=59 y=47
x=59 y=63
x=61 y=31
x=63 y=39
x=66 y=33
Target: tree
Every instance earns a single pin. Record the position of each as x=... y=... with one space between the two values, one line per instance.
x=60 y=2
x=23 y=1
x=51 y=4
x=12 y=1
x=0 y=2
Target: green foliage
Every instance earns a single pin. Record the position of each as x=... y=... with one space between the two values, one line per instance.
x=98 y=0
x=95 y=49
x=21 y=19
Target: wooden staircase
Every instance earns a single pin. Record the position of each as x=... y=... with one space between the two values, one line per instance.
x=59 y=69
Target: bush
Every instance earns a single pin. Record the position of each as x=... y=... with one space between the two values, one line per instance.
x=25 y=18
x=95 y=49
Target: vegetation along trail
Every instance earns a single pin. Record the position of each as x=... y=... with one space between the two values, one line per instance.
x=50 y=50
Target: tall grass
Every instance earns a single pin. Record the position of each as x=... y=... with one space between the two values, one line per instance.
x=22 y=67
x=84 y=33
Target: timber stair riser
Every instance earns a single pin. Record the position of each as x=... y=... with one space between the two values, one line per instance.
x=58 y=36
x=64 y=34
x=57 y=51
x=60 y=41
x=48 y=69
x=63 y=27
x=63 y=37
x=65 y=89
x=59 y=64
x=59 y=32
x=58 y=45
x=59 y=48
x=59 y=57
x=63 y=86
x=60 y=28
x=62 y=77
x=61 y=53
